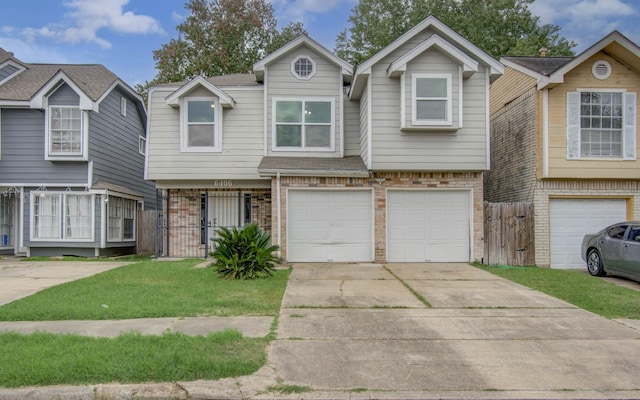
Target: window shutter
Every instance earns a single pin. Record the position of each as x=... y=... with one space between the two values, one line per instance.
x=573 y=125
x=629 y=126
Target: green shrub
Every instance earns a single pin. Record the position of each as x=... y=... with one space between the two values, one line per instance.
x=244 y=253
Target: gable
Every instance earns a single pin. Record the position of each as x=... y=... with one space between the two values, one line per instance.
x=413 y=39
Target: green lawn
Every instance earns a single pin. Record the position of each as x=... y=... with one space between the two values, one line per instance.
x=575 y=287
x=151 y=289
x=47 y=359
x=143 y=290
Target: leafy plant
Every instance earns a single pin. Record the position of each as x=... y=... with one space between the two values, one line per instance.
x=244 y=253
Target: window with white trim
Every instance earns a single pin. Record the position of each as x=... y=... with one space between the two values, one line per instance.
x=303 y=123
x=123 y=106
x=431 y=99
x=65 y=132
x=142 y=145
x=200 y=130
x=62 y=216
x=601 y=124
x=121 y=219
x=303 y=67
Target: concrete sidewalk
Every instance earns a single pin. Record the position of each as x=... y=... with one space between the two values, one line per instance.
x=417 y=331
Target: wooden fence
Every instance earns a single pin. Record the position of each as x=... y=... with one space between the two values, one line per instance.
x=508 y=234
x=146 y=232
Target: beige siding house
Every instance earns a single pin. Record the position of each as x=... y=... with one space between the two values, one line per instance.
x=381 y=164
x=564 y=136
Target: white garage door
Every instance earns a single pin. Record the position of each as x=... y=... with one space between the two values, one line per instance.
x=428 y=226
x=329 y=226
x=571 y=219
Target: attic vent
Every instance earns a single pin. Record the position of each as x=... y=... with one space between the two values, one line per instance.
x=601 y=69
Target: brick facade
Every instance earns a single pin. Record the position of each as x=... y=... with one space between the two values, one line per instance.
x=379 y=182
x=547 y=189
x=182 y=208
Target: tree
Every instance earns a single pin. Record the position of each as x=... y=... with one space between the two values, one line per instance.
x=220 y=37
x=499 y=27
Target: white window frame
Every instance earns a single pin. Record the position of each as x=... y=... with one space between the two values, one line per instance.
x=414 y=99
x=303 y=148
x=61 y=225
x=142 y=145
x=574 y=125
x=297 y=74
x=84 y=129
x=116 y=234
x=184 y=126
x=123 y=106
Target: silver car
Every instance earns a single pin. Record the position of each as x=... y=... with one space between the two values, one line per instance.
x=615 y=250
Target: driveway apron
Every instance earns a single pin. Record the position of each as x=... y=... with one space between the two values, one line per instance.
x=20 y=279
x=442 y=330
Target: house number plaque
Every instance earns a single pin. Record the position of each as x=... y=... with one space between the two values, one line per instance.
x=222 y=183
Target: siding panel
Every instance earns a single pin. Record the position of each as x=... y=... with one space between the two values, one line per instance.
x=242 y=141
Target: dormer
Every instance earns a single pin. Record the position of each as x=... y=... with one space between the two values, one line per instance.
x=201 y=105
x=9 y=69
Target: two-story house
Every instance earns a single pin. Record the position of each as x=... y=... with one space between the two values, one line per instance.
x=72 y=145
x=564 y=137
x=381 y=164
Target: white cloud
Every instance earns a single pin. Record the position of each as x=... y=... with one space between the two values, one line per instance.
x=302 y=10
x=583 y=11
x=88 y=17
x=33 y=53
x=584 y=21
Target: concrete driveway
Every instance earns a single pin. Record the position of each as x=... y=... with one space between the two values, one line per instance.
x=445 y=331
x=23 y=278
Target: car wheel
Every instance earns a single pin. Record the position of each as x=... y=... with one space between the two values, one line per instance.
x=594 y=263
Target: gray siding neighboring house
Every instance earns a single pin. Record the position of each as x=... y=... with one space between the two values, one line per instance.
x=71 y=160
x=382 y=163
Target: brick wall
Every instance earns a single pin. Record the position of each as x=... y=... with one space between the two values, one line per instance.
x=183 y=226
x=576 y=189
x=381 y=181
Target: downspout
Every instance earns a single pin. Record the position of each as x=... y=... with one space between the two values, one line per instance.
x=279 y=213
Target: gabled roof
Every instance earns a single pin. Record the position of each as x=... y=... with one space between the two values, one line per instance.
x=92 y=82
x=303 y=40
x=400 y=65
x=550 y=71
x=174 y=98
x=454 y=39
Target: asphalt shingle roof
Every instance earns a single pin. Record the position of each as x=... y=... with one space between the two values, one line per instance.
x=346 y=165
x=92 y=79
x=542 y=65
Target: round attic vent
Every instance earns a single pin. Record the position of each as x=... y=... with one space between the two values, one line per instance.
x=601 y=69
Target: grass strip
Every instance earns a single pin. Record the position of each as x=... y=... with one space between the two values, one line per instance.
x=45 y=359
x=576 y=287
x=151 y=289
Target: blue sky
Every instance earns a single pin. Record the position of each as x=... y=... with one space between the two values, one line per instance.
x=121 y=34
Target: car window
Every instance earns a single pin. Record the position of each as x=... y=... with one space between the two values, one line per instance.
x=634 y=233
x=617 y=232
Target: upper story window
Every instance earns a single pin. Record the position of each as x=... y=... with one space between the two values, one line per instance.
x=123 y=106
x=601 y=124
x=431 y=99
x=66 y=132
x=303 y=124
x=142 y=145
x=303 y=67
x=200 y=128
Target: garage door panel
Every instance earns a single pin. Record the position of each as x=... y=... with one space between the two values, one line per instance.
x=329 y=226
x=571 y=219
x=428 y=226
